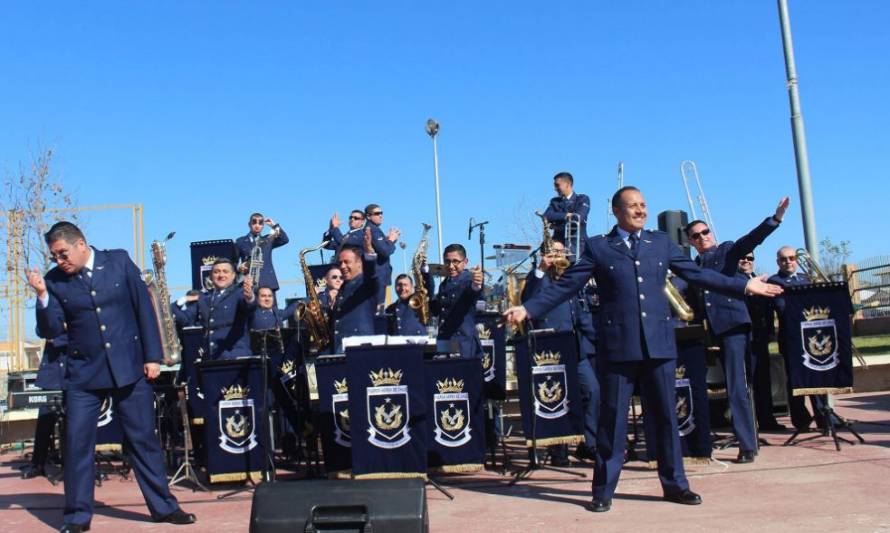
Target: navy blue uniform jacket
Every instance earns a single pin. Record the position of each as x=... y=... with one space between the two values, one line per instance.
x=576 y=314
x=267 y=273
x=51 y=373
x=726 y=311
x=633 y=306
x=559 y=206
x=455 y=305
x=111 y=325
x=356 y=304
x=225 y=317
x=383 y=248
x=404 y=320
x=336 y=239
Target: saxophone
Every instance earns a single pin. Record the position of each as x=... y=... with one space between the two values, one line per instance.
x=160 y=299
x=515 y=286
x=561 y=263
x=420 y=300
x=311 y=313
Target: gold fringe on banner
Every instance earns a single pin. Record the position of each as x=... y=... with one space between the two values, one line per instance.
x=687 y=461
x=392 y=475
x=821 y=390
x=340 y=474
x=197 y=421
x=569 y=439
x=453 y=469
x=109 y=448
x=234 y=476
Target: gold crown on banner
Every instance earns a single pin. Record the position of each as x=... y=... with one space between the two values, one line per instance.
x=235 y=392
x=484 y=333
x=321 y=283
x=680 y=372
x=816 y=313
x=547 y=357
x=450 y=385
x=287 y=367
x=209 y=260
x=340 y=386
x=386 y=377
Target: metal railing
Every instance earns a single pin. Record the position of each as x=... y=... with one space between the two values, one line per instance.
x=869 y=282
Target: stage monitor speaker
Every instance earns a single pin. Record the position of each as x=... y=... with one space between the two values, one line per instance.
x=363 y=506
x=673 y=223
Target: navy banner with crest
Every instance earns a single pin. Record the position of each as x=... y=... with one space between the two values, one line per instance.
x=456 y=436
x=547 y=370
x=109 y=431
x=387 y=408
x=204 y=253
x=494 y=355
x=817 y=326
x=333 y=414
x=234 y=425
x=693 y=414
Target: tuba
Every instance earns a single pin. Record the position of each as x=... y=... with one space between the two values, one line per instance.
x=311 y=313
x=420 y=300
x=812 y=269
x=560 y=264
x=160 y=299
x=678 y=303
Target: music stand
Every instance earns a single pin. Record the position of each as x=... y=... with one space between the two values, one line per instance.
x=533 y=464
x=186 y=472
x=833 y=423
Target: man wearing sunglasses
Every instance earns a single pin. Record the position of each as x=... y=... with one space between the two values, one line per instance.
x=729 y=322
x=354 y=237
x=333 y=280
x=274 y=239
x=99 y=299
x=384 y=247
x=635 y=342
x=760 y=310
x=786 y=259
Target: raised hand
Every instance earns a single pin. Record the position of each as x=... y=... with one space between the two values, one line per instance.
x=335 y=221
x=394 y=234
x=270 y=222
x=478 y=276
x=369 y=242
x=36 y=281
x=248 y=288
x=780 y=210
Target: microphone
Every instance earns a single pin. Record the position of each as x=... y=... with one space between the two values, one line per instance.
x=470 y=230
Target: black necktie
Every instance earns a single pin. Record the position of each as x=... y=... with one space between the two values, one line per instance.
x=633 y=240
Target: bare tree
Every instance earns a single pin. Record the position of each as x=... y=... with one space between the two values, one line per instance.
x=833 y=257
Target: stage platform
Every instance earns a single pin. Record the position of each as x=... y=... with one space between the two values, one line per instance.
x=808 y=487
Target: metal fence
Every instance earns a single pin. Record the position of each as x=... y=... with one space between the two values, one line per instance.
x=870 y=286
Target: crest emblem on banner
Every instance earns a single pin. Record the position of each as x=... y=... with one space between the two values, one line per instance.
x=818 y=335
x=451 y=406
x=388 y=409
x=340 y=412
x=288 y=372
x=237 y=421
x=550 y=385
x=206 y=269
x=685 y=406
x=106 y=413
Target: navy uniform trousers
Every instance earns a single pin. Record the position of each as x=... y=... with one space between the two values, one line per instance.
x=736 y=357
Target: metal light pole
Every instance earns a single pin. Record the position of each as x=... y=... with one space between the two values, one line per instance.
x=432 y=129
x=799 y=136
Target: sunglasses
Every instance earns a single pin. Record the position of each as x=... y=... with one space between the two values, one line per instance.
x=699 y=234
x=56 y=257
x=354 y=217
x=376 y=214
x=748 y=258
x=256 y=221
x=788 y=259
x=336 y=277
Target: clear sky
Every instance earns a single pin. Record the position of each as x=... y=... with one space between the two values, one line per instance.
x=207 y=111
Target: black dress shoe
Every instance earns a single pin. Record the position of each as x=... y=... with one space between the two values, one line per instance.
x=583 y=453
x=178 y=517
x=772 y=426
x=559 y=461
x=686 y=497
x=32 y=471
x=599 y=506
x=74 y=528
x=745 y=457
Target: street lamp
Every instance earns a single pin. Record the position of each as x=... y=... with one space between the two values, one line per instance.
x=432 y=129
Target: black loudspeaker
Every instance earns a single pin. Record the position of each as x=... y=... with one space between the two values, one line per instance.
x=674 y=224
x=341 y=506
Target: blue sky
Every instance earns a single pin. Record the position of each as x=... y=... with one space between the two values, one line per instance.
x=207 y=111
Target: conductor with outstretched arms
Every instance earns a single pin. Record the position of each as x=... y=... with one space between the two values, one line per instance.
x=114 y=348
x=635 y=336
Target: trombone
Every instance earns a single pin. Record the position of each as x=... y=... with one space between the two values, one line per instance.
x=688 y=171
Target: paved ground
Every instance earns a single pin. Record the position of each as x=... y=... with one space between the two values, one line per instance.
x=808 y=487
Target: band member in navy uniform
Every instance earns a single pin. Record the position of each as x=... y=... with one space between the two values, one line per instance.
x=567 y=204
x=455 y=303
x=50 y=377
x=224 y=312
x=761 y=330
x=635 y=337
x=354 y=237
x=402 y=318
x=333 y=280
x=356 y=304
x=729 y=322
x=384 y=247
x=114 y=345
x=266 y=314
x=277 y=237
x=788 y=276
x=574 y=314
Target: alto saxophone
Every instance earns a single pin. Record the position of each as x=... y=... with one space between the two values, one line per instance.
x=515 y=286
x=312 y=313
x=160 y=299
x=420 y=300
